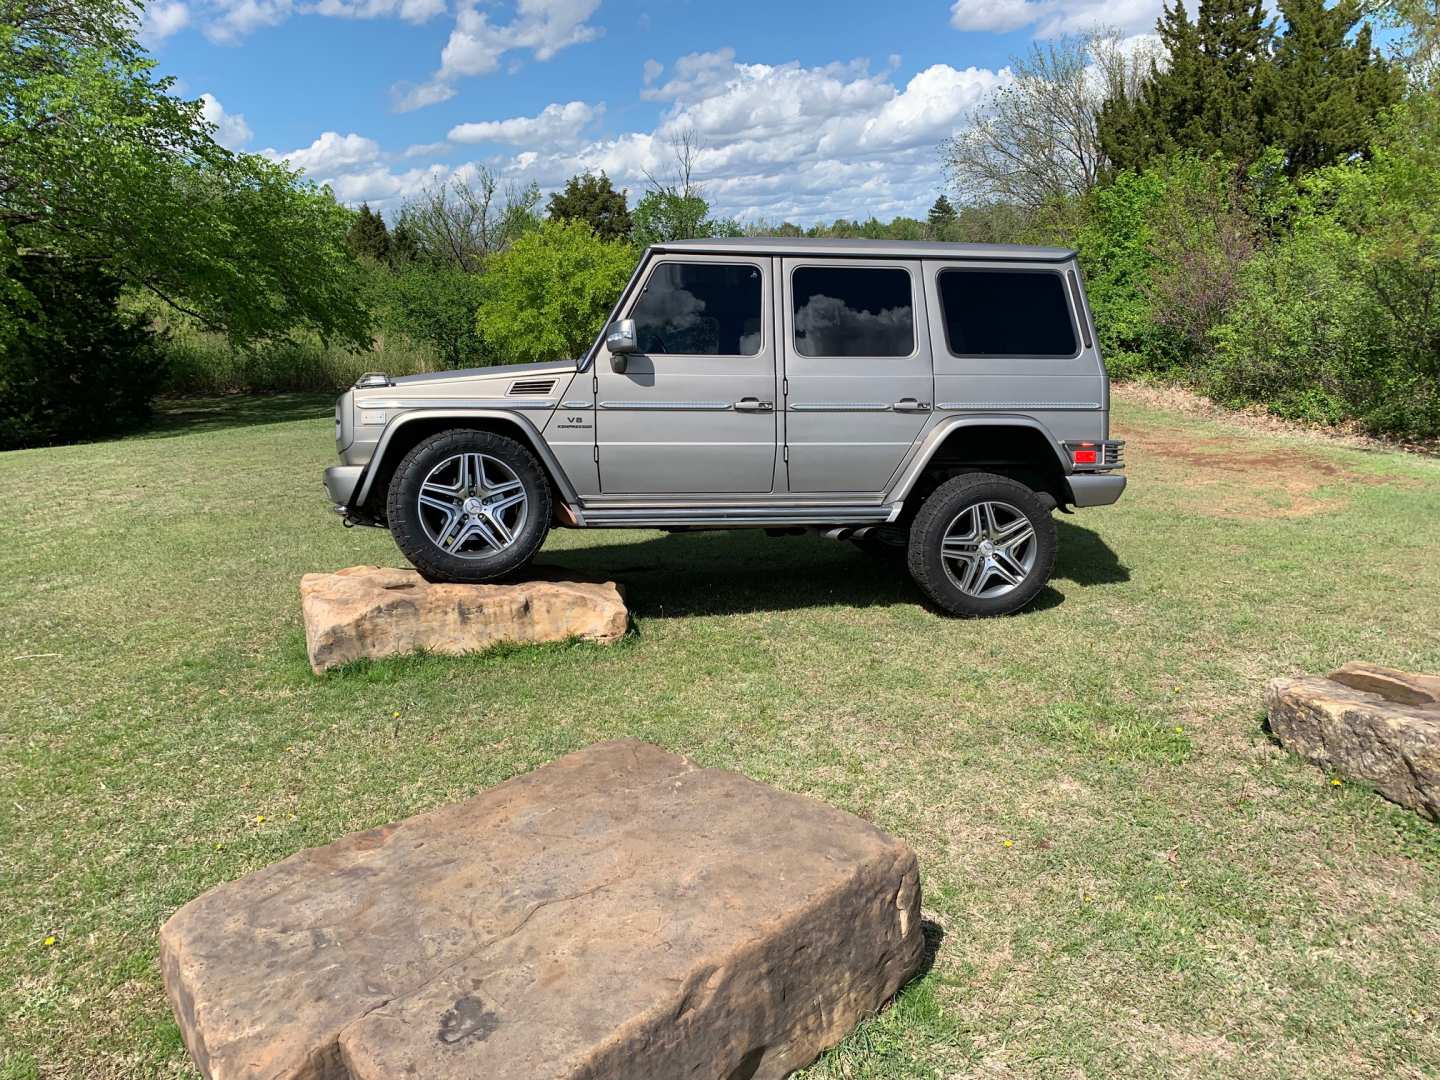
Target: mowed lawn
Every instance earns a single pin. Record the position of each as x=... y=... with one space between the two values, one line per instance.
x=1125 y=876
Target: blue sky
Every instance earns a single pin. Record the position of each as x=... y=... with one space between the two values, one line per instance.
x=802 y=111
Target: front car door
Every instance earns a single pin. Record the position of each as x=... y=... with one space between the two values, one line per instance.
x=857 y=373
x=694 y=410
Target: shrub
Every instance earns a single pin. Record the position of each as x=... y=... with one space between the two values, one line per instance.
x=75 y=366
x=434 y=306
x=548 y=296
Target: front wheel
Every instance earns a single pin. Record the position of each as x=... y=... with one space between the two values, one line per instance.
x=982 y=545
x=468 y=506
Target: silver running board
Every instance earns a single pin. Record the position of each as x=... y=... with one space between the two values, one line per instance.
x=740 y=515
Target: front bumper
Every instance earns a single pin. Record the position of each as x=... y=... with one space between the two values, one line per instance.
x=340 y=483
x=1095 y=489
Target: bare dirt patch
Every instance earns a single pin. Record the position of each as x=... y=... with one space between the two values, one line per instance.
x=1240 y=478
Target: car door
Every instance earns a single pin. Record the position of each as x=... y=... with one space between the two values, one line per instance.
x=858 y=381
x=694 y=409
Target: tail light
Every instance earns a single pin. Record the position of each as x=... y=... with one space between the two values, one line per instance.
x=1090 y=456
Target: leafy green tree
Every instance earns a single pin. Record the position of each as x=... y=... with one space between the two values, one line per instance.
x=368 y=237
x=75 y=366
x=434 y=305
x=668 y=215
x=1209 y=98
x=547 y=297
x=102 y=164
x=1328 y=88
x=594 y=200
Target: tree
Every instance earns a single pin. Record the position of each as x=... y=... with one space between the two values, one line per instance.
x=435 y=305
x=101 y=164
x=1210 y=97
x=368 y=236
x=463 y=221
x=1035 y=144
x=676 y=209
x=547 y=297
x=1328 y=90
x=942 y=218
x=593 y=200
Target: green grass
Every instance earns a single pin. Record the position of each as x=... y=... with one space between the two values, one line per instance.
x=1124 y=875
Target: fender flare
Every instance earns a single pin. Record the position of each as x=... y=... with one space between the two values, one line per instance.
x=529 y=433
x=911 y=470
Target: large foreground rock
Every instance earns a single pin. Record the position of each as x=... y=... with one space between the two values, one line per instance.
x=1392 y=744
x=619 y=914
x=372 y=611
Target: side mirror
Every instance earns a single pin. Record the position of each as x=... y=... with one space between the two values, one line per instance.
x=622 y=340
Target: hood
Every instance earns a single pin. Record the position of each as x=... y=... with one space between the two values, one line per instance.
x=497 y=371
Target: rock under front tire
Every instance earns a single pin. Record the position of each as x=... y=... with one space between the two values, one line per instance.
x=468 y=506
x=982 y=544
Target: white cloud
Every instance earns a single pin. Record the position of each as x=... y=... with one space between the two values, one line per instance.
x=1051 y=18
x=653 y=68
x=776 y=141
x=476 y=45
x=329 y=154
x=555 y=124
x=163 y=19
x=415 y=11
x=231 y=130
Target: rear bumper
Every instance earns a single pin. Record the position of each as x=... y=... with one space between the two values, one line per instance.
x=340 y=482
x=1095 y=489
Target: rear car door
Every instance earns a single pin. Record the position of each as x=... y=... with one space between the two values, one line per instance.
x=694 y=410
x=857 y=370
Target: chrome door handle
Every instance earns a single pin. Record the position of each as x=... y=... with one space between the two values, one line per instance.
x=751 y=404
x=909 y=404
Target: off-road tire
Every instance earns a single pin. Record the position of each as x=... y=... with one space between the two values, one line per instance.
x=943 y=508
x=402 y=510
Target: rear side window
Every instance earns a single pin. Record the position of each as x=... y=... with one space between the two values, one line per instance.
x=1007 y=313
x=700 y=309
x=853 y=311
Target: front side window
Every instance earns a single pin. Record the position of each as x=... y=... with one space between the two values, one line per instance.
x=1007 y=313
x=700 y=309
x=853 y=311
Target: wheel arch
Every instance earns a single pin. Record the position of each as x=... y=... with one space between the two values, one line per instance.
x=407 y=430
x=1015 y=446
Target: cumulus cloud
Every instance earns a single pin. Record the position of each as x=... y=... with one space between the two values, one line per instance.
x=477 y=45
x=775 y=141
x=555 y=124
x=1051 y=18
x=231 y=130
x=329 y=155
x=415 y=11
x=163 y=19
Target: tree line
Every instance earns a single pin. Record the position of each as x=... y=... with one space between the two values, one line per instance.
x=1254 y=202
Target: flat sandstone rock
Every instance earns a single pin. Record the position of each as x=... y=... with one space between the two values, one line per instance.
x=371 y=612
x=1363 y=735
x=619 y=914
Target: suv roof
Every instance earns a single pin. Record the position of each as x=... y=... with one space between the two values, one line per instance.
x=868 y=249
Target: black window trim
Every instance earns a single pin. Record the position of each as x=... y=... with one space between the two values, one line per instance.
x=842 y=263
x=1064 y=292
x=702 y=260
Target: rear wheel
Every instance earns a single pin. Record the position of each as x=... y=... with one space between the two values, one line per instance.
x=468 y=506
x=982 y=545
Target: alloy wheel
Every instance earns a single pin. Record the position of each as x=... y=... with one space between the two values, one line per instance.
x=472 y=505
x=989 y=549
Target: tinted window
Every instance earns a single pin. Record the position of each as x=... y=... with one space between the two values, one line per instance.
x=700 y=309
x=1006 y=313
x=853 y=311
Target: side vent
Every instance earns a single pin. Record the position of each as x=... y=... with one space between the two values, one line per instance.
x=531 y=387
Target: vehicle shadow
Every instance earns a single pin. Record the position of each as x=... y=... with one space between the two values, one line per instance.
x=675 y=575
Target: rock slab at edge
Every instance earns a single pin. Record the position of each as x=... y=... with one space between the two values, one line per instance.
x=1363 y=736
x=619 y=914
x=371 y=612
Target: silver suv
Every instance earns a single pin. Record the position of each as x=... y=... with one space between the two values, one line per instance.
x=938 y=401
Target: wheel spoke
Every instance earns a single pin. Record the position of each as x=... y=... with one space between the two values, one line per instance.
x=1005 y=573
x=446 y=534
x=1013 y=532
x=499 y=527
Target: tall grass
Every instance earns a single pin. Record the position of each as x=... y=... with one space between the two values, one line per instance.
x=199 y=362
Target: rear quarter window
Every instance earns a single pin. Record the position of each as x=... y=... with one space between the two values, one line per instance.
x=1020 y=313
